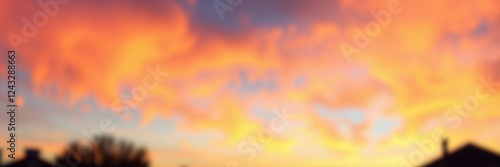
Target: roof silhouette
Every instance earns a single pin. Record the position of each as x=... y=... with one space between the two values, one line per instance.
x=32 y=160
x=105 y=152
x=467 y=155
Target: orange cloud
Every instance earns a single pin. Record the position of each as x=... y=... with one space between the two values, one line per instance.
x=418 y=60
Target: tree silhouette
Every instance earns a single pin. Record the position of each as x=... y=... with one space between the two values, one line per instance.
x=103 y=151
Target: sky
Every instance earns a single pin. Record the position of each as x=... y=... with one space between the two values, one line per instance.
x=256 y=82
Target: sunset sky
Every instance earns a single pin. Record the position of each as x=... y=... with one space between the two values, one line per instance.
x=422 y=74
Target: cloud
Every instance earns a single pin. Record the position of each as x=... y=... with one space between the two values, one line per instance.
x=425 y=60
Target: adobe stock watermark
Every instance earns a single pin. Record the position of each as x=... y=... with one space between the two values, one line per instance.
x=29 y=29
x=138 y=93
x=255 y=144
x=453 y=117
x=119 y=106
x=372 y=29
x=221 y=7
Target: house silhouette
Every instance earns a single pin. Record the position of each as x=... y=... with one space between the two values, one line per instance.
x=467 y=155
x=32 y=159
